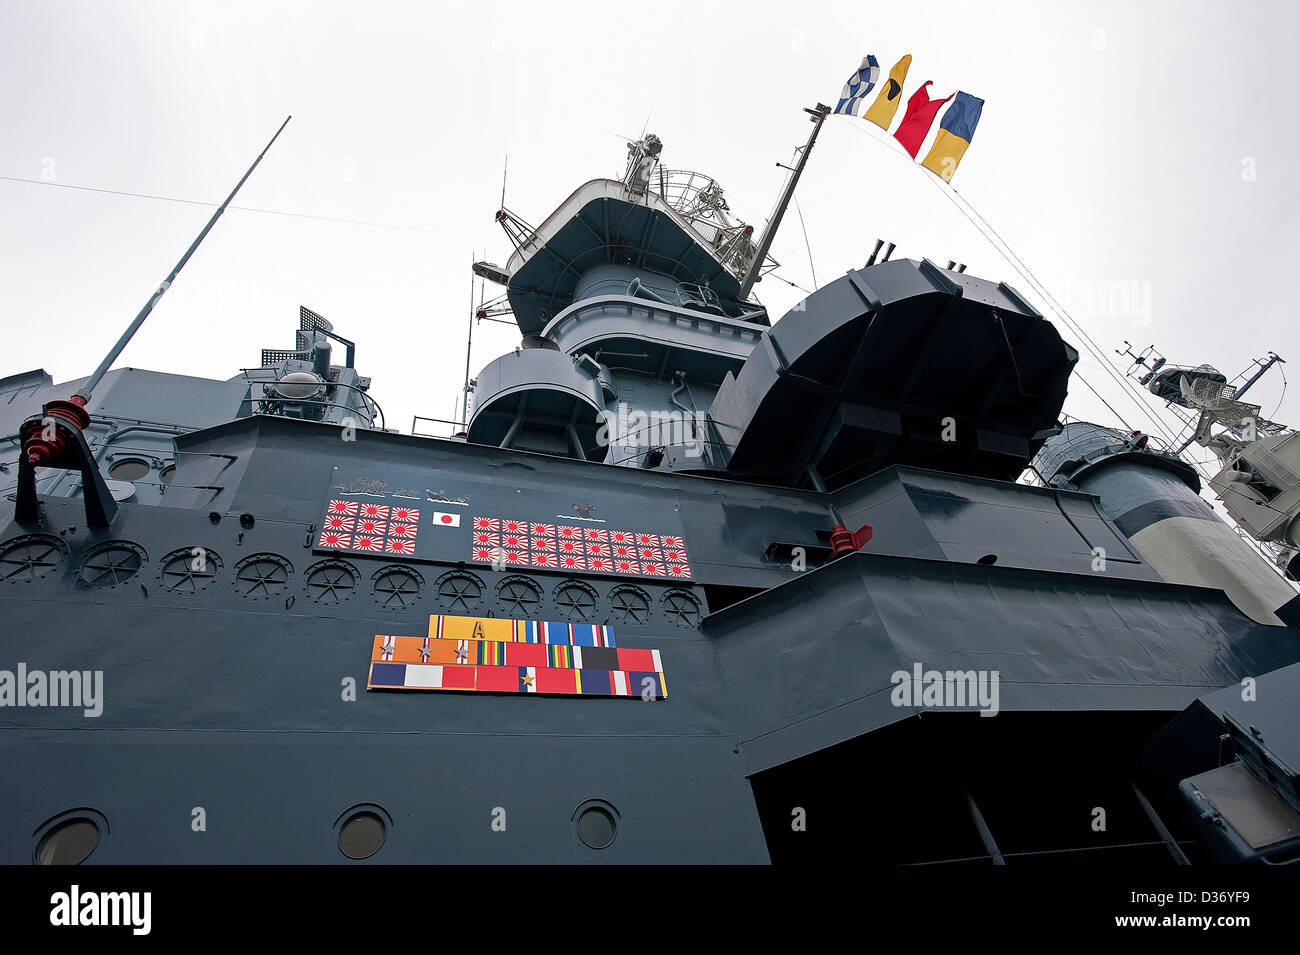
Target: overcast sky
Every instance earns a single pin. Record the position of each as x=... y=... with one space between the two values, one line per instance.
x=1145 y=146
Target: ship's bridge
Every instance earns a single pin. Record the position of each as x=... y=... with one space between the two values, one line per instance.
x=628 y=298
x=673 y=223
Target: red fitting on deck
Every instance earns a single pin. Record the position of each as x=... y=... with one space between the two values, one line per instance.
x=844 y=541
x=40 y=449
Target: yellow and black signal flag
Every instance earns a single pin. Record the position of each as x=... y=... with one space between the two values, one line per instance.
x=956 y=130
x=891 y=94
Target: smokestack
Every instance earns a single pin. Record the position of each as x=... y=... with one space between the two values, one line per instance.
x=874 y=252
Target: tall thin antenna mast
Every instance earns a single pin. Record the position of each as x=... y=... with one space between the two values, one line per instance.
x=46 y=444
x=84 y=392
x=818 y=115
x=469 y=337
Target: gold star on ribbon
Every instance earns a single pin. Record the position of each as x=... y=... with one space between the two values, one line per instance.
x=528 y=679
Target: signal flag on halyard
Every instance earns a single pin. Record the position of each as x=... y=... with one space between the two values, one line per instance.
x=956 y=130
x=916 y=122
x=859 y=85
x=891 y=94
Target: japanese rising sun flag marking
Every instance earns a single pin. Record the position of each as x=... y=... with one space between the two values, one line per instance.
x=371 y=528
x=567 y=547
x=488 y=655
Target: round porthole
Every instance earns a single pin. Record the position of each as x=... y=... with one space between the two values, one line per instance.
x=597 y=824
x=112 y=563
x=167 y=474
x=362 y=833
x=69 y=839
x=128 y=469
x=31 y=556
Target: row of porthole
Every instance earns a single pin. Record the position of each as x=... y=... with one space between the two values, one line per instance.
x=134 y=469
x=70 y=837
x=394 y=587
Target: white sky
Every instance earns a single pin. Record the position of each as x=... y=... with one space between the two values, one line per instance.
x=1111 y=150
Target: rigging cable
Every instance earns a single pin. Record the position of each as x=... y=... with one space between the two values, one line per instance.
x=273 y=212
x=1018 y=264
x=812 y=268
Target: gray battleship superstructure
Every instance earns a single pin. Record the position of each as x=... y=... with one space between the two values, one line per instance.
x=704 y=568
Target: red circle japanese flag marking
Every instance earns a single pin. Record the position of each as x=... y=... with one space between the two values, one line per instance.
x=446 y=520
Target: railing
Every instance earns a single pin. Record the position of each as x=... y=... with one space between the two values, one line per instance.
x=416 y=419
